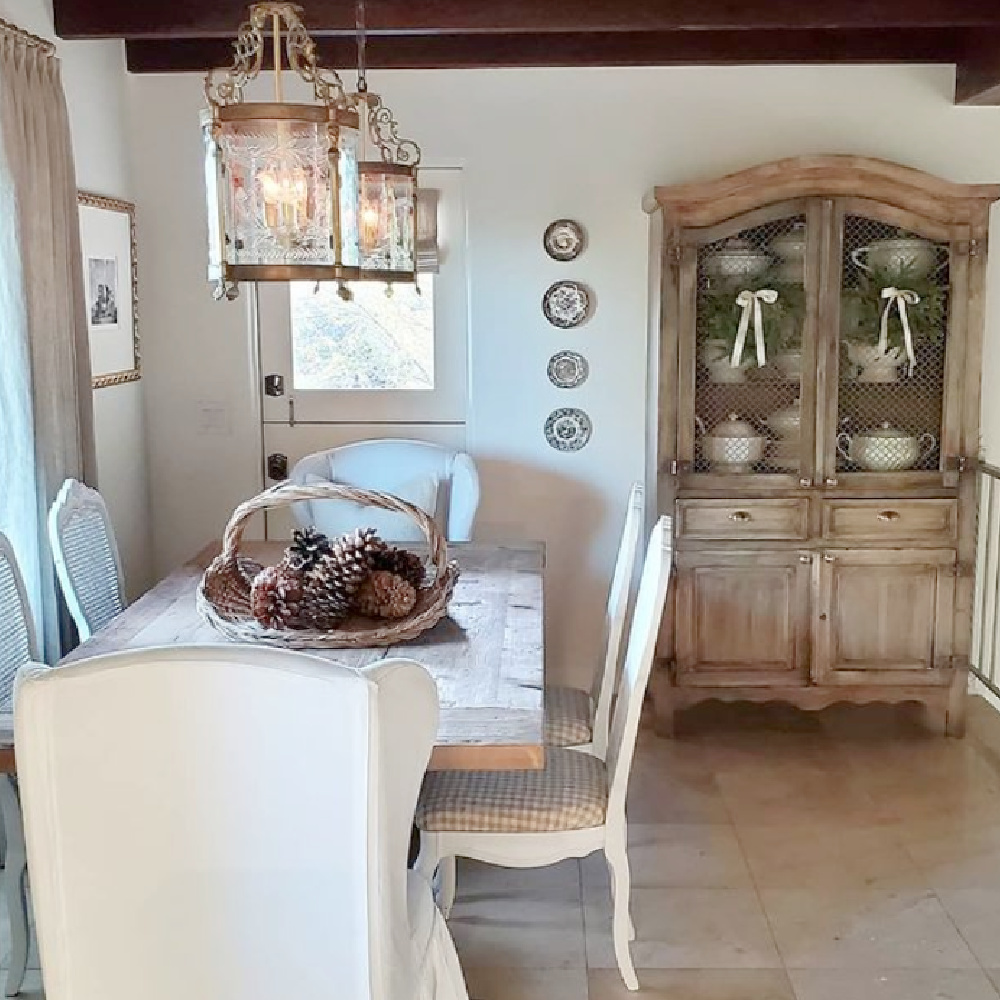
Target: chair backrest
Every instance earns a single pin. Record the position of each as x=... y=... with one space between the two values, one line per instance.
x=17 y=631
x=86 y=557
x=614 y=620
x=649 y=604
x=442 y=481
x=222 y=822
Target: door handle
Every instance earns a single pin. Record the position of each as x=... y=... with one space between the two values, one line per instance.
x=829 y=558
x=741 y=516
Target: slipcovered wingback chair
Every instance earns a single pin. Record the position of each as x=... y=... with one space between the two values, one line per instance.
x=229 y=822
x=441 y=481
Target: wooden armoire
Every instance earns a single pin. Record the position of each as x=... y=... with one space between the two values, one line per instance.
x=819 y=325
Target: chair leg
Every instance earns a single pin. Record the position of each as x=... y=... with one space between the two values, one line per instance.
x=14 y=889
x=447 y=877
x=622 y=928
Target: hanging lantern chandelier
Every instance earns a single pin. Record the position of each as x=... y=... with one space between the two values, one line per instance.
x=294 y=190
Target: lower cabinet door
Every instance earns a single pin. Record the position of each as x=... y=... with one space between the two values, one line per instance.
x=884 y=617
x=742 y=618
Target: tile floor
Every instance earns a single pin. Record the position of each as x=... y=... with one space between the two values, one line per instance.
x=845 y=855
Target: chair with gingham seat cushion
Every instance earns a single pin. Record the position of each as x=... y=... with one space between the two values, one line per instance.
x=578 y=718
x=527 y=819
x=86 y=557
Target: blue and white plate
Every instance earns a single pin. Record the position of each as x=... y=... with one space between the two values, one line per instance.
x=566 y=304
x=568 y=369
x=568 y=429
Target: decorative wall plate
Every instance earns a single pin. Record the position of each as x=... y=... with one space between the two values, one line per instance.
x=568 y=369
x=566 y=304
x=564 y=239
x=568 y=429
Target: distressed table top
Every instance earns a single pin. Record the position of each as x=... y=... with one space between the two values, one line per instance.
x=487 y=656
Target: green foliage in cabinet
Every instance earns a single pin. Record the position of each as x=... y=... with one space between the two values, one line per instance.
x=719 y=315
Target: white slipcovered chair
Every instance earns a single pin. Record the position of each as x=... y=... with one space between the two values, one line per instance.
x=572 y=807
x=441 y=481
x=229 y=823
x=578 y=718
x=18 y=645
x=86 y=557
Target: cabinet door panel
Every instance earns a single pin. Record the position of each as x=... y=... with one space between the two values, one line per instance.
x=884 y=617
x=741 y=617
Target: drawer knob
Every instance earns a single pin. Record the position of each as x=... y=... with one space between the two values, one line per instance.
x=888 y=515
x=741 y=516
x=804 y=558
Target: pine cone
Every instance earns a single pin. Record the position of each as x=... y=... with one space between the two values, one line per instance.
x=403 y=563
x=276 y=597
x=328 y=588
x=385 y=595
x=307 y=548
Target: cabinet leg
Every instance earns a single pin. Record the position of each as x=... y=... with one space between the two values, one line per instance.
x=956 y=705
x=661 y=689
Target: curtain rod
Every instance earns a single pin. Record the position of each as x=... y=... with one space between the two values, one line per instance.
x=12 y=30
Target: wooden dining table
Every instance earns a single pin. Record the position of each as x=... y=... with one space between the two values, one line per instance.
x=486 y=657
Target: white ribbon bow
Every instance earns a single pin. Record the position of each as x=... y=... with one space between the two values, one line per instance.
x=748 y=300
x=900 y=298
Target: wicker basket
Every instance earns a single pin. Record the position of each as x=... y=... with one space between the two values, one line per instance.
x=224 y=591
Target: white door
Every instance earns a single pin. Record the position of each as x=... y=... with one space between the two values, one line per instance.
x=335 y=371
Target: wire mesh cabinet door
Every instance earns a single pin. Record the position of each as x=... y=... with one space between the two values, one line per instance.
x=895 y=317
x=747 y=295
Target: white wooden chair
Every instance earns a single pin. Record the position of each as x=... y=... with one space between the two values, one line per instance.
x=572 y=807
x=18 y=648
x=441 y=481
x=578 y=718
x=229 y=823
x=86 y=557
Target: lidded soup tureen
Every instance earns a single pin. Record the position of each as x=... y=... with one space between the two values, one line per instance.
x=885 y=448
x=790 y=248
x=733 y=445
x=736 y=260
x=898 y=256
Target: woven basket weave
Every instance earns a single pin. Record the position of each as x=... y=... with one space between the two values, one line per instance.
x=224 y=591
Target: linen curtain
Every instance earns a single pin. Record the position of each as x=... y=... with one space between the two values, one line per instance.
x=46 y=405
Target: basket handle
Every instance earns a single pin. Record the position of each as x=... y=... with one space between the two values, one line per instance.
x=286 y=493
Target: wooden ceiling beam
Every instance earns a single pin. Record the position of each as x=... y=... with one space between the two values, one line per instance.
x=198 y=19
x=581 y=49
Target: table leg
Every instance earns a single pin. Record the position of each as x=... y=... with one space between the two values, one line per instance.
x=14 y=887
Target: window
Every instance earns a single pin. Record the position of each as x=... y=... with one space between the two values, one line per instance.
x=375 y=341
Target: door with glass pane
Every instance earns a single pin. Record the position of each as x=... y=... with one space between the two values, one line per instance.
x=382 y=356
x=747 y=350
x=897 y=349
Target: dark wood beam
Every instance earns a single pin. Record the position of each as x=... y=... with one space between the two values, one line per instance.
x=197 y=18
x=977 y=79
x=583 y=49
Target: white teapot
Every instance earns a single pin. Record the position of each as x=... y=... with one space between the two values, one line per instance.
x=885 y=449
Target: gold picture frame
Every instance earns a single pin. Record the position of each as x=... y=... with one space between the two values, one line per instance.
x=109 y=260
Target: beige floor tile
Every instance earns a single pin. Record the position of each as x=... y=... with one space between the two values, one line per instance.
x=955 y=855
x=514 y=983
x=659 y=794
x=687 y=929
x=821 y=856
x=519 y=931
x=864 y=929
x=678 y=855
x=892 y=984
x=695 y=984
x=478 y=882
x=976 y=913
x=994 y=975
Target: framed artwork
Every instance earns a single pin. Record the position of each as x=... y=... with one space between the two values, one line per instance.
x=107 y=239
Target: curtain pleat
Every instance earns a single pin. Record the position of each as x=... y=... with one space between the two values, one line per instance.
x=42 y=319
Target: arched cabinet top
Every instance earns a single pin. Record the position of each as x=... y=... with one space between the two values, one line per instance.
x=706 y=203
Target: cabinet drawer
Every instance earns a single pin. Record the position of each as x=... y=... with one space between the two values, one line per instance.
x=932 y=521
x=743 y=519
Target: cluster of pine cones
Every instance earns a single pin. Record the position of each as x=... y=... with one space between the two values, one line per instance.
x=320 y=582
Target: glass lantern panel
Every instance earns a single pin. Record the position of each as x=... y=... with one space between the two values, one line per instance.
x=348 y=159
x=215 y=210
x=893 y=338
x=388 y=220
x=279 y=206
x=750 y=316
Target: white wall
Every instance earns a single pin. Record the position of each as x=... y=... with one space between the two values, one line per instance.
x=535 y=145
x=94 y=80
